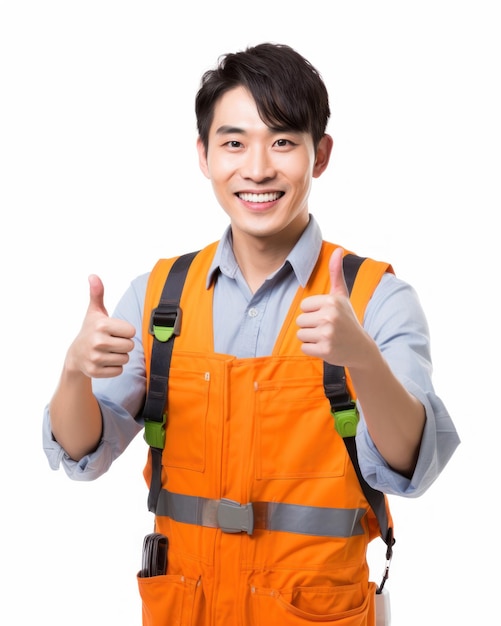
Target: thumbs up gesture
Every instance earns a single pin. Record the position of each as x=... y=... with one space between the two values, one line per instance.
x=328 y=326
x=102 y=346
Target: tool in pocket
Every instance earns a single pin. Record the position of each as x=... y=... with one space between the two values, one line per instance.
x=154 y=561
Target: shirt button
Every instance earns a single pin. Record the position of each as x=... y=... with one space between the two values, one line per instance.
x=253 y=312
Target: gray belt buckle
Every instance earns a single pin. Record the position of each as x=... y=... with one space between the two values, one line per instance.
x=233 y=517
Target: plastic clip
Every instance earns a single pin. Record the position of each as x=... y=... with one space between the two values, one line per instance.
x=346 y=420
x=154 y=432
x=233 y=517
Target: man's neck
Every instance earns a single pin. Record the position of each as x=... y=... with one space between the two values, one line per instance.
x=258 y=257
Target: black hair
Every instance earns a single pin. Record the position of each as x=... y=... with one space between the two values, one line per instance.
x=288 y=91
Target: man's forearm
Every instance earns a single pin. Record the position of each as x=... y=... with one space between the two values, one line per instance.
x=75 y=415
x=395 y=418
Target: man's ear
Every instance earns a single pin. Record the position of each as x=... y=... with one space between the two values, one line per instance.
x=323 y=155
x=202 y=158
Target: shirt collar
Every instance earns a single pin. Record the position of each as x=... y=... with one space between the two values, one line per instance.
x=302 y=258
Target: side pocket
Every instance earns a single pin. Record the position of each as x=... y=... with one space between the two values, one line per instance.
x=170 y=599
x=270 y=606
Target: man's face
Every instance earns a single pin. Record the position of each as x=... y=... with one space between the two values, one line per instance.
x=260 y=176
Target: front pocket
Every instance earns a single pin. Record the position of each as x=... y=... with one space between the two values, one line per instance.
x=169 y=599
x=295 y=432
x=312 y=605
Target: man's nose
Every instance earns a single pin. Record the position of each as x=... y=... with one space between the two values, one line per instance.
x=258 y=165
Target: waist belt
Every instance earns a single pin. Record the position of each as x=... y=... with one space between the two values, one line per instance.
x=233 y=517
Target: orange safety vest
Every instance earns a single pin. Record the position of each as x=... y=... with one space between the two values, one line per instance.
x=256 y=430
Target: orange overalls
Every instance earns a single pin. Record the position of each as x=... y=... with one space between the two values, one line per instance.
x=266 y=520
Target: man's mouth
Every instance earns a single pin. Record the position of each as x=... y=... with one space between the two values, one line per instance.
x=260 y=197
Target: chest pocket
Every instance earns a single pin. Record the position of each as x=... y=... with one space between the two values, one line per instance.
x=295 y=436
x=186 y=434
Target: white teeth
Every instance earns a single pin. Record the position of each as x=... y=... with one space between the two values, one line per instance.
x=259 y=197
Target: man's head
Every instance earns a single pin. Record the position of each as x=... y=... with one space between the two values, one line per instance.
x=288 y=91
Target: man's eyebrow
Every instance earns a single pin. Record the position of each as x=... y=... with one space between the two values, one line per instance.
x=229 y=130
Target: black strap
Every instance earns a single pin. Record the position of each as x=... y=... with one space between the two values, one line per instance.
x=167 y=313
x=337 y=392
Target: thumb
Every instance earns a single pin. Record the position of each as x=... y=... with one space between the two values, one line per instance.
x=96 y=292
x=338 y=283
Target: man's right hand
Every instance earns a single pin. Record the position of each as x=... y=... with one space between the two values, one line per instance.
x=102 y=346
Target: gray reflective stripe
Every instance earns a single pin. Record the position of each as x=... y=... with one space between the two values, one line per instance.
x=233 y=517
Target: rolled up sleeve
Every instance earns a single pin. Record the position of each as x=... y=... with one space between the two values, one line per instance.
x=119 y=428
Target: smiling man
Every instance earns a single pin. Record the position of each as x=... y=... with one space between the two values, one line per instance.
x=261 y=177
x=252 y=481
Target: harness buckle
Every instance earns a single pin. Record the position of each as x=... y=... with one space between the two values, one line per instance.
x=154 y=432
x=233 y=517
x=346 y=419
x=165 y=321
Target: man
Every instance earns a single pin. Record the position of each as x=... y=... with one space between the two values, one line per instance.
x=249 y=432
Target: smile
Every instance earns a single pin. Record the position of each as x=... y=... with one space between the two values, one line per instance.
x=260 y=197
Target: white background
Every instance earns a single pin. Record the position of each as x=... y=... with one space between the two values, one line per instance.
x=98 y=173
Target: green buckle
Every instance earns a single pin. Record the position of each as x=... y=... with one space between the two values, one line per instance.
x=346 y=421
x=163 y=333
x=165 y=321
x=154 y=432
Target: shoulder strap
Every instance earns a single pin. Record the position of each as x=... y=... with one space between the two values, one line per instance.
x=165 y=325
x=345 y=415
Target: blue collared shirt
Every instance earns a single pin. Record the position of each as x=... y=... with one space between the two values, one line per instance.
x=246 y=325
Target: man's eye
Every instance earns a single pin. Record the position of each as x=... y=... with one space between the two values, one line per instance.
x=234 y=144
x=282 y=143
